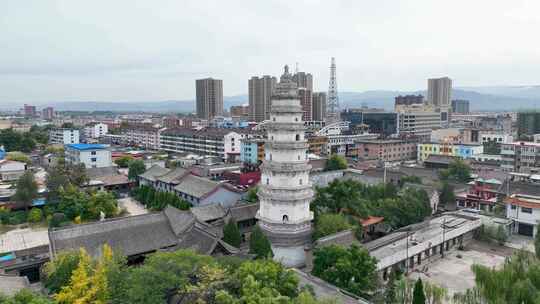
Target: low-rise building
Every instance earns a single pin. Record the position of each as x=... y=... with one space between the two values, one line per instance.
x=458 y=150
x=252 y=150
x=524 y=211
x=141 y=135
x=91 y=155
x=11 y=170
x=387 y=150
x=521 y=157
x=64 y=136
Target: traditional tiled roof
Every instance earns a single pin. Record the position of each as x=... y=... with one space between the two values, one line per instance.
x=196 y=186
x=173 y=176
x=244 y=212
x=208 y=212
x=154 y=172
x=344 y=238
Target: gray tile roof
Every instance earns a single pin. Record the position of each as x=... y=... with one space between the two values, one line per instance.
x=95 y=173
x=131 y=235
x=172 y=176
x=208 y=212
x=154 y=172
x=10 y=284
x=343 y=238
x=171 y=229
x=196 y=186
x=244 y=211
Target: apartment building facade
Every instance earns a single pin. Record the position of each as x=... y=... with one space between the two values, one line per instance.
x=457 y=150
x=521 y=157
x=144 y=136
x=91 y=155
x=387 y=150
x=64 y=136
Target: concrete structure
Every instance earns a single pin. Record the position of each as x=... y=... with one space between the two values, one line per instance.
x=317 y=145
x=419 y=244
x=418 y=123
x=521 y=157
x=528 y=123
x=341 y=140
x=304 y=95
x=11 y=170
x=221 y=142
x=387 y=150
x=47 y=113
x=91 y=155
x=95 y=130
x=252 y=151
x=401 y=102
x=303 y=80
x=64 y=136
x=260 y=94
x=524 y=211
x=285 y=191
x=29 y=110
x=318 y=100
x=460 y=106
x=457 y=150
x=141 y=135
x=496 y=137
x=209 y=98
x=439 y=95
x=375 y=121
x=241 y=112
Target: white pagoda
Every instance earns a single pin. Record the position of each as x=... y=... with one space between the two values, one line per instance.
x=285 y=191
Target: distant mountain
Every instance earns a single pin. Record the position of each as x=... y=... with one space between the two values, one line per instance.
x=494 y=98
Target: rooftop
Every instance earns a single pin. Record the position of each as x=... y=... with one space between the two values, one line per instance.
x=84 y=147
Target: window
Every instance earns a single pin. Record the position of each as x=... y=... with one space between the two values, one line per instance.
x=513 y=207
x=526 y=210
x=285 y=218
x=300 y=181
x=93 y=159
x=268 y=181
x=93 y=153
x=297 y=137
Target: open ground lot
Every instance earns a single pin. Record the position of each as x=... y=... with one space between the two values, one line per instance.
x=455 y=273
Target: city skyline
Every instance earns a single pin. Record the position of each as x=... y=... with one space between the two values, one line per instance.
x=76 y=51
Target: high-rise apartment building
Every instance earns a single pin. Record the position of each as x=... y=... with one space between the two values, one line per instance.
x=439 y=92
x=260 y=94
x=209 y=93
x=528 y=123
x=29 y=111
x=303 y=80
x=460 y=106
x=305 y=97
x=47 y=113
x=318 y=106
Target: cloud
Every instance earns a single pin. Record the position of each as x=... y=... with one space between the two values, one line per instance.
x=151 y=50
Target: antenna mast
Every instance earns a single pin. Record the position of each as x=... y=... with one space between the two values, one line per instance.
x=333 y=101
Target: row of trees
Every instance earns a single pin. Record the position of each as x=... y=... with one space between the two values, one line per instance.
x=187 y=277
x=24 y=141
x=352 y=198
x=158 y=200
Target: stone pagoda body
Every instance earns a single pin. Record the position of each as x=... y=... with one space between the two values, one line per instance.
x=285 y=191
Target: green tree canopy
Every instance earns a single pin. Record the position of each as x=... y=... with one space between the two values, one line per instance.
x=57 y=272
x=136 y=168
x=231 y=233
x=336 y=162
x=352 y=269
x=330 y=223
x=26 y=189
x=447 y=195
x=18 y=156
x=123 y=162
x=259 y=244
x=418 y=294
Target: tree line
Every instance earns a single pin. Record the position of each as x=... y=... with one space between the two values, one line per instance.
x=157 y=200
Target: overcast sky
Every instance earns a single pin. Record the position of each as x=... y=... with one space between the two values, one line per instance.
x=115 y=50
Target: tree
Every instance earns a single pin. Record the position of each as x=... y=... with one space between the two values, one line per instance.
x=77 y=174
x=25 y=296
x=459 y=170
x=231 y=234
x=35 y=215
x=418 y=294
x=447 y=196
x=99 y=202
x=79 y=288
x=68 y=125
x=259 y=244
x=26 y=189
x=57 y=272
x=352 y=269
x=56 y=179
x=336 y=162
x=72 y=202
x=330 y=223
x=136 y=168
x=251 y=195
x=123 y=162
x=390 y=290
x=537 y=245
x=18 y=156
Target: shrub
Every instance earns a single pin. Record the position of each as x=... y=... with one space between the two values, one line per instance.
x=35 y=215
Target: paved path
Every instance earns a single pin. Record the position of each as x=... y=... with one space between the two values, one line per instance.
x=19 y=239
x=132 y=206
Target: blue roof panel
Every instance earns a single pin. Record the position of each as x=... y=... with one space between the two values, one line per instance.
x=86 y=146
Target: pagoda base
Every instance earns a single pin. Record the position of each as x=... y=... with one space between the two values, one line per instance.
x=294 y=256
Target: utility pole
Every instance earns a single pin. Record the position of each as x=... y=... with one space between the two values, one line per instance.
x=443 y=236
x=407 y=254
